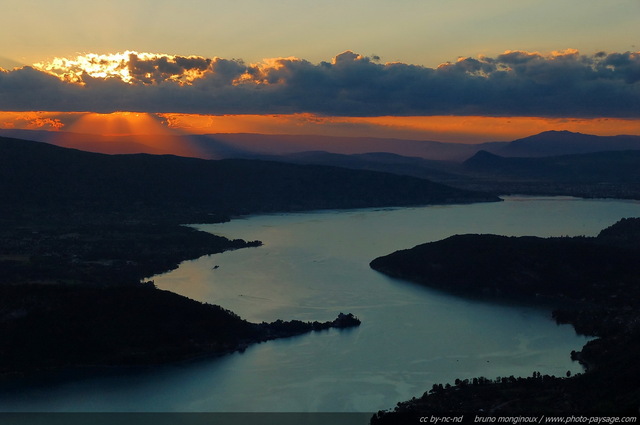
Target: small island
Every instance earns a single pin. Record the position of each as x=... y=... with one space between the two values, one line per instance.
x=592 y=283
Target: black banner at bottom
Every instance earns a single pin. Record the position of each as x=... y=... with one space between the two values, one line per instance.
x=185 y=418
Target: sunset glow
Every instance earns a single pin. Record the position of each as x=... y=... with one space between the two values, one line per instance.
x=35 y=120
x=118 y=132
x=118 y=124
x=472 y=99
x=455 y=129
x=286 y=156
x=129 y=67
x=145 y=130
x=96 y=66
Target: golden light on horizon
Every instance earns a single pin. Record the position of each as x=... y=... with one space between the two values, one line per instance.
x=31 y=120
x=451 y=129
x=118 y=124
x=145 y=130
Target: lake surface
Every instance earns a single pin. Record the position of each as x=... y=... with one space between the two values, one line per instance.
x=312 y=267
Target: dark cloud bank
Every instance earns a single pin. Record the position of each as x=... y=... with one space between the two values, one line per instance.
x=565 y=84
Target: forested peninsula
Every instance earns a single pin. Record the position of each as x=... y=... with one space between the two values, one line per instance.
x=594 y=284
x=81 y=233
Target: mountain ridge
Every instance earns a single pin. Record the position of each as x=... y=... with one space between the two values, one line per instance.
x=46 y=174
x=563 y=142
x=591 y=281
x=242 y=145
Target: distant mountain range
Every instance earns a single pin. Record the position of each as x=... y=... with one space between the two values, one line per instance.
x=554 y=143
x=548 y=143
x=246 y=145
x=282 y=145
x=599 y=168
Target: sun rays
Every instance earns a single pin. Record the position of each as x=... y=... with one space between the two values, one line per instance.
x=126 y=132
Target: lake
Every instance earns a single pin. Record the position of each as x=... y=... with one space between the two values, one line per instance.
x=313 y=266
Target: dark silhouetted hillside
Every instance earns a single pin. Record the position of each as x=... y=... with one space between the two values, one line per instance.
x=38 y=173
x=525 y=267
x=612 y=174
x=52 y=326
x=439 y=171
x=600 y=167
x=593 y=281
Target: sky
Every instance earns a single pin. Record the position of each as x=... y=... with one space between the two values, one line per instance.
x=456 y=70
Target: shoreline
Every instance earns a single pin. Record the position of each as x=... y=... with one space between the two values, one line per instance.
x=607 y=313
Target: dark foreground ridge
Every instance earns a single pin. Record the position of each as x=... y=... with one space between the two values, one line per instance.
x=593 y=281
x=70 y=295
x=53 y=326
x=34 y=174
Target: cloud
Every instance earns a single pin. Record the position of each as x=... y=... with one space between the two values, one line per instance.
x=30 y=121
x=516 y=83
x=155 y=70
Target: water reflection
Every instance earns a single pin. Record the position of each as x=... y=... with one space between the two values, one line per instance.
x=313 y=266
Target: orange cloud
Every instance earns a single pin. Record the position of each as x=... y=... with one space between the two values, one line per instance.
x=267 y=124
x=30 y=121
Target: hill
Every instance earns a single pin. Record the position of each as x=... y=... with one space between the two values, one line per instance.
x=439 y=171
x=594 y=284
x=46 y=327
x=565 y=269
x=598 y=167
x=41 y=174
x=555 y=143
x=610 y=174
